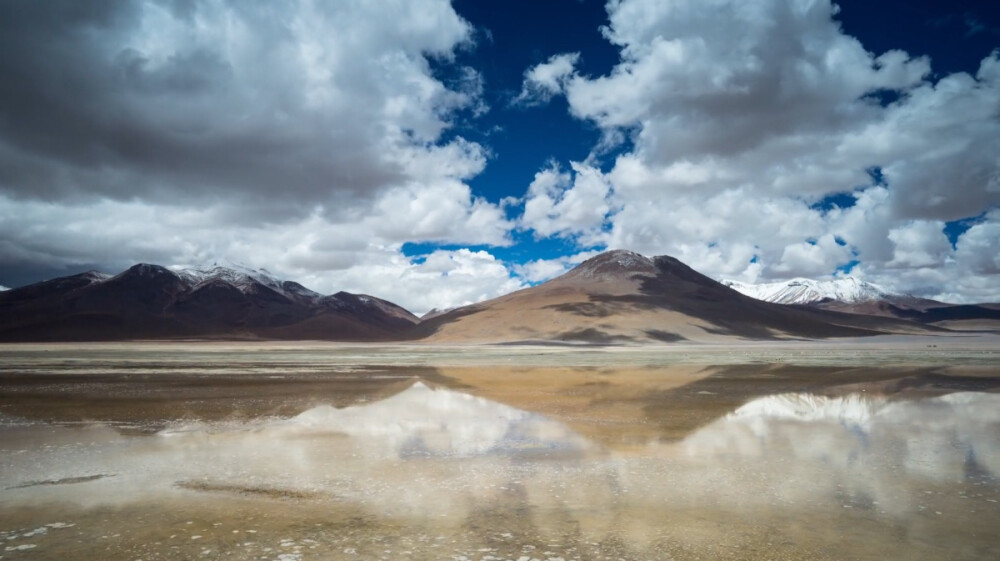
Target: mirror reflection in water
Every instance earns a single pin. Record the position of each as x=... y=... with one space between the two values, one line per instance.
x=431 y=468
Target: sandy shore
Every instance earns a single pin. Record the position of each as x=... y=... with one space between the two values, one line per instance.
x=891 y=347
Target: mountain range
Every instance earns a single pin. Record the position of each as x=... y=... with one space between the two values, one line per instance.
x=617 y=297
x=623 y=297
x=149 y=301
x=857 y=296
x=848 y=290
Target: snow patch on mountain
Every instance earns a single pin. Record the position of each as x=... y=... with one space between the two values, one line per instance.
x=434 y=312
x=3 y=288
x=806 y=291
x=96 y=276
x=244 y=279
x=617 y=263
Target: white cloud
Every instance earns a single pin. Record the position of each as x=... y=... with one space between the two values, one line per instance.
x=567 y=204
x=811 y=259
x=743 y=115
x=865 y=226
x=920 y=243
x=446 y=211
x=445 y=279
x=324 y=256
x=540 y=270
x=979 y=248
x=923 y=262
x=941 y=145
x=718 y=234
x=547 y=79
x=314 y=139
x=305 y=137
x=219 y=99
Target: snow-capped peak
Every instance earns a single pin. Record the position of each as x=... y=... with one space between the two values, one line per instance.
x=243 y=278
x=612 y=264
x=805 y=291
x=96 y=276
x=227 y=271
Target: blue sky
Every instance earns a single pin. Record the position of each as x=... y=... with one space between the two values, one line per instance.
x=437 y=153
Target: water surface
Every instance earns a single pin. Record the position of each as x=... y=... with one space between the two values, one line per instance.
x=172 y=452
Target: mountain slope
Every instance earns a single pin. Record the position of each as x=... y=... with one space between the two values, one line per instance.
x=149 y=301
x=623 y=297
x=616 y=297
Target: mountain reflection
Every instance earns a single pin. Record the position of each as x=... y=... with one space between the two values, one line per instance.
x=941 y=438
x=421 y=421
x=427 y=450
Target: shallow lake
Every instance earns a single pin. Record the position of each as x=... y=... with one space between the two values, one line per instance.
x=201 y=451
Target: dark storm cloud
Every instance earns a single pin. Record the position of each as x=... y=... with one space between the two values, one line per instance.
x=311 y=138
x=205 y=101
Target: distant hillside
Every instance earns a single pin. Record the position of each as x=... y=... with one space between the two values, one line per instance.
x=808 y=291
x=617 y=297
x=149 y=301
x=623 y=297
x=855 y=296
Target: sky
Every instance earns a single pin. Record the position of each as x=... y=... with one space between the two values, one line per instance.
x=438 y=153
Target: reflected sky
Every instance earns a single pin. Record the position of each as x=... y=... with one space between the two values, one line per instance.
x=943 y=438
x=422 y=421
x=432 y=453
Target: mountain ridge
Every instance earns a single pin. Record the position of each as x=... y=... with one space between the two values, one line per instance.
x=856 y=296
x=150 y=301
x=801 y=290
x=621 y=297
x=616 y=297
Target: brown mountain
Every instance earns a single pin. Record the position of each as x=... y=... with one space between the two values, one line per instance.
x=921 y=310
x=151 y=302
x=623 y=297
x=616 y=297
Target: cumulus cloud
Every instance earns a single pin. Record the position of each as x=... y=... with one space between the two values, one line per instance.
x=316 y=139
x=541 y=270
x=920 y=243
x=443 y=279
x=812 y=258
x=567 y=203
x=324 y=256
x=296 y=135
x=743 y=117
x=208 y=99
x=544 y=81
x=977 y=248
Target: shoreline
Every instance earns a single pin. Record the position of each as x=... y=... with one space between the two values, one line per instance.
x=983 y=349
x=971 y=339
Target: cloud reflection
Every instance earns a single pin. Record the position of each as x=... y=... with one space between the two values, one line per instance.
x=444 y=452
x=419 y=421
x=941 y=438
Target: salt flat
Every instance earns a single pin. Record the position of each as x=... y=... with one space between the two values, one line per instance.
x=808 y=450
